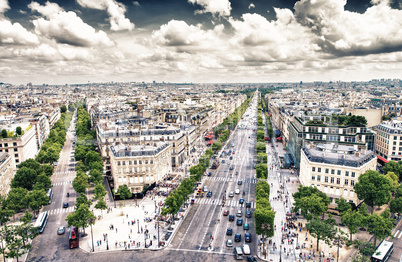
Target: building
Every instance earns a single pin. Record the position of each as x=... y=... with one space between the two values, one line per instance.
x=7 y=171
x=140 y=165
x=42 y=129
x=324 y=129
x=334 y=169
x=21 y=147
x=388 y=143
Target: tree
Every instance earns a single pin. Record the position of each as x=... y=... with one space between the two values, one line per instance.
x=44 y=181
x=124 y=192
x=96 y=166
x=216 y=146
x=321 y=230
x=82 y=200
x=394 y=178
x=92 y=156
x=63 y=109
x=36 y=199
x=18 y=130
x=396 y=205
x=379 y=225
x=25 y=178
x=261 y=147
x=261 y=184
x=81 y=217
x=80 y=183
x=16 y=199
x=30 y=163
x=311 y=206
x=101 y=204
x=395 y=167
x=81 y=167
x=374 y=189
x=398 y=192
x=261 y=171
x=260 y=135
x=47 y=169
x=95 y=176
x=263 y=203
x=353 y=220
x=209 y=153
x=264 y=216
x=4 y=133
x=261 y=194
x=342 y=205
x=99 y=191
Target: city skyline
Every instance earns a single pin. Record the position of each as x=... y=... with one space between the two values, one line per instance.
x=210 y=41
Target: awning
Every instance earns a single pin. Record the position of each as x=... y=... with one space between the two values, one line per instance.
x=382 y=159
x=210 y=142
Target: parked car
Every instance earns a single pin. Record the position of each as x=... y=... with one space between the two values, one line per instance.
x=251 y=259
x=61 y=230
x=229 y=243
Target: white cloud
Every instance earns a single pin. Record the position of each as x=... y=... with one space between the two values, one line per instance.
x=67 y=27
x=4 y=6
x=251 y=6
x=136 y=3
x=116 y=11
x=219 y=7
x=16 y=34
x=343 y=32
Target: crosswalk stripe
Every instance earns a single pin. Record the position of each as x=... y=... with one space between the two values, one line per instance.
x=400 y=235
x=396 y=233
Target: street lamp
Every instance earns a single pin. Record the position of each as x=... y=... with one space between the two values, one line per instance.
x=107 y=242
x=158 y=232
x=138 y=224
x=265 y=227
x=92 y=221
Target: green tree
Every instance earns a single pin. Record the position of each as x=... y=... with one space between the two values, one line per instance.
x=398 y=192
x=261 y=171
x=43 y=181
x=395 y=167
x=343 y=205
x=81 y=217
x=260 y=135
x=96 y=166
x=80 y=183
x=311 y=206
x=95 y=176
x=261 y=194
x=30 y=163
x=394 y=178
x=14 y=244
x=4 y=133
x=396 y=205
x=353 y=219
x=261 y=184
x=18 y=130
x=216 y=146
x=264 y=216
x=25 y=178
x=380 y=226
x=81 y=167
x=261 y=147
x=101 y=205
x=63 y=109
x=36 y=199
x=82 y=200
x=47 y=169
x=92 y=156
x=209 y=153
x=263 y=203
x=99 y=191
x=124 y=192
x=16 y=199
x=321 y=230
x=374 y=189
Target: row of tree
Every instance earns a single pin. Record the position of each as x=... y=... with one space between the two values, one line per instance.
x=264 y=216
x=268 y=123
x=262 y=157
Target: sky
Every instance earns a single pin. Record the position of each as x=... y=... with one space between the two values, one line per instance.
x=199 y=41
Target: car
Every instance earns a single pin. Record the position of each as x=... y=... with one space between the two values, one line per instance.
x=247 y=237
x=237 y=238
x=251 y=259
x=205 y=189
x=241 y=201
x=237 y=191
x=231 y=168
x=254 y=166
x=233 y=152
x=223 y=160
x=246 y=226
x=209 y=173
x=229 y=232
x=209 y=194
x=231 y=194
x=239 y=182
x=230 y=158
x=248 y=205
x=248 y=213
x=239 y=222
x=61 y=230
x=231 y=218
x=65 y=205
x=229 y=243
x=239 y=213
x=226 y=212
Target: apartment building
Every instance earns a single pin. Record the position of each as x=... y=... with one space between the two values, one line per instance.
x=21 y=147
x=7 y=171
x=139 y=165
x=42 y=129
x=388 y=142
x=324 y=129
x=334 y=169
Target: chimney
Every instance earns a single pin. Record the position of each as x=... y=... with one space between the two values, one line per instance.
x=357 y=154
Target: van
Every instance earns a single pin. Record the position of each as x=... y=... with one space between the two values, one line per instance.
x=205 y=189
x=246 y=249
x=238 y=253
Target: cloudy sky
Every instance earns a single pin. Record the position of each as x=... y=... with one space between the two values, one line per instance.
x=77 y=41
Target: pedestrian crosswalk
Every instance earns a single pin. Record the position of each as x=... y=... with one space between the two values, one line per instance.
x=232 y=179
x=62 y=183
x=60 y=210
x=228 y=203
x=63 y=172
x=398 y=234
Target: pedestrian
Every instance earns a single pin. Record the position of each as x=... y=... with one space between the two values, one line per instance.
x=116 y=229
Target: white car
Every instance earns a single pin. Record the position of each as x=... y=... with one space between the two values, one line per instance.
x=231 y=194
x=237 y=191
x=229 y=243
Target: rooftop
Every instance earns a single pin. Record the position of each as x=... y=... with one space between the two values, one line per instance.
x=122 y=150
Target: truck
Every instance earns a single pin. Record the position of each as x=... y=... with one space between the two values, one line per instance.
x=215 y=164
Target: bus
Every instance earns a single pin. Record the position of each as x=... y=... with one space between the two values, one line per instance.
x=73 y=238
x=41 y=221
x=238 y=253
x=383 y=252
x=50 y=195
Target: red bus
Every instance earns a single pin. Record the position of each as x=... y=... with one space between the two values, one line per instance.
x=73 y=239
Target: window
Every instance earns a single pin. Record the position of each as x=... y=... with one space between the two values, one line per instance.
x=346 y=182
x=130 y=162
x=312 y=177
x=140 y=162
x=135 y=162
x=326 y=171
x=5 y=144
x=146 y=162
x=319 y=169
x=118 y=163
x=1 y=145
x=16 y=155
x=313 y=169
x=151 y=161
x=339 y=172
x=332 y=171
x=15 y=149
x=15 y=144
x=352 y=182
x=338 y=181
x=353 y=174
x=124 y=163
x=395 y=137
x=326 y=179
x=17 y=161
x=346 y=173
x=332 y=180
x=318 y=178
